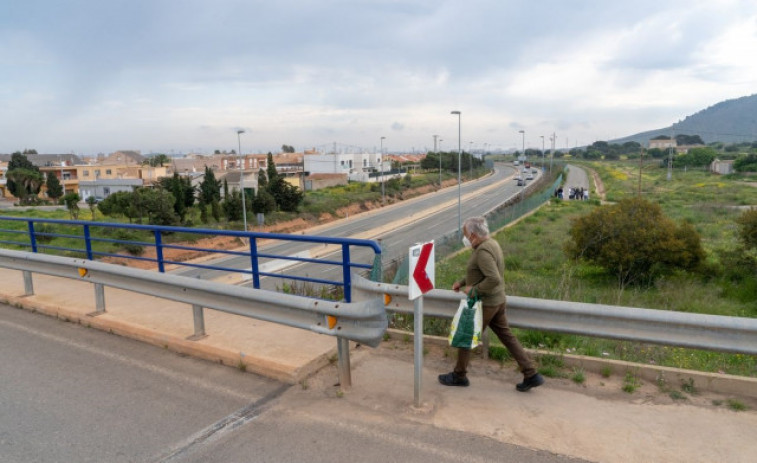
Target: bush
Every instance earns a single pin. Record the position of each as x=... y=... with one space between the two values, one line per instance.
x=634 y=241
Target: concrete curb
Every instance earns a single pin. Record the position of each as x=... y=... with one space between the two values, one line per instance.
x=742 y=386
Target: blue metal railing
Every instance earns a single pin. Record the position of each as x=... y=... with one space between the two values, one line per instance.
x=38 y=232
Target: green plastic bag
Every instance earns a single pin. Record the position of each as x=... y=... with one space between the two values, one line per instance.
x=467 y=324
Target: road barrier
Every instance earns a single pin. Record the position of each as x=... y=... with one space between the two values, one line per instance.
x=696 y=331
x=364 y=321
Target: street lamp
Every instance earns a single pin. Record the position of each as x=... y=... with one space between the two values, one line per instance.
x=241 y=178
x=542 y=151
x=459 y=153
x=381 y=166
x=524 y=142
x=440 y=160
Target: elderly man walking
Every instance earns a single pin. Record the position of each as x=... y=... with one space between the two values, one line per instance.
x=484 y=274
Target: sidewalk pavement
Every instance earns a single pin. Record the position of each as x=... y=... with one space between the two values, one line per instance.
x=594 y=420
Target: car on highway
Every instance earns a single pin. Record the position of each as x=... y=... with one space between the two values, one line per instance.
x=520 y=180
x=529 y=177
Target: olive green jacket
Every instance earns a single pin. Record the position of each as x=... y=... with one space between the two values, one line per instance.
x=485 y=272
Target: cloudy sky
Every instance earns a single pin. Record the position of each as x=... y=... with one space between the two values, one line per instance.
x=178 y=76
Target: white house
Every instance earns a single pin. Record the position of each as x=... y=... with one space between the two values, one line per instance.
x=102 y=188
x=360 y=167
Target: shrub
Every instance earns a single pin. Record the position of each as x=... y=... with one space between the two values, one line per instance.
x=634 y=241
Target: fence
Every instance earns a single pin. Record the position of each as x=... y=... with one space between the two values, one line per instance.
x=99 y=239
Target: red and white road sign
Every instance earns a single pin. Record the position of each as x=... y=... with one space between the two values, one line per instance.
x=421 y=259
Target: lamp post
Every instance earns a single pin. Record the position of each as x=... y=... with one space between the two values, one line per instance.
x=542 y=151
x=440 y=162
x=459 y=154
x=524 y=142
x=241 y=178
x=381 y=166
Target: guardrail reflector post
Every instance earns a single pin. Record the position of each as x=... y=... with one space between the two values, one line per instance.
x=331 y=320
x=82 y=272
x=28 y=283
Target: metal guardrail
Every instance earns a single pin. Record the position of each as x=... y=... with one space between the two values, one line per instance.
x=36 y=232
x=697 y=331
x=364 y=322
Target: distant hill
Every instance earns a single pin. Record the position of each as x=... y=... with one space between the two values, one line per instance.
x=730 y=121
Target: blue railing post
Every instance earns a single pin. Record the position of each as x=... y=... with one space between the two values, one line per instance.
x=159 y=250
x=88 y=242
x=32 y=238
x=346 y=272
x=254 y=262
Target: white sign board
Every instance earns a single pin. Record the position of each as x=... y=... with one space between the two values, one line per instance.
x=421 y=265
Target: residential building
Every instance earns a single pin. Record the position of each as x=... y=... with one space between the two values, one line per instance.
x=662 y=143
x=102 y=188
x=721 y=167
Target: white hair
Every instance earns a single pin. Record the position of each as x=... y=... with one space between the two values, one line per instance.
x=477 y=226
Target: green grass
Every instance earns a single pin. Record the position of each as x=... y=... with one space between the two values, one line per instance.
x=536 y=266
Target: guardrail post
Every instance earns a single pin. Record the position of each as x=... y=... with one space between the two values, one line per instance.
x=199 y=323
x=99 y=300
x=343 y=362
x=28 y=283
x=418 y=348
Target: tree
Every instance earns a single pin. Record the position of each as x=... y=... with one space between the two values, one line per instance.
x=270 y=168
x=27 y=181
x=92 y=203
x=696 y=157
x=634 y=241
x=210 y=188
x=232 y=206
x=157 y=160
x=748 y=228
x=263 y=202
x=287 y=149
x=54 y=188
x=118 y=203
x=71 y=200
x=262 y=180
x=287 y=196
x=746 y=163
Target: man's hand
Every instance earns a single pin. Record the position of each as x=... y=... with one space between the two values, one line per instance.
x=456 y=286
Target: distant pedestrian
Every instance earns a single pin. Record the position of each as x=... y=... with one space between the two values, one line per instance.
x=484 y=274
x=586 y=194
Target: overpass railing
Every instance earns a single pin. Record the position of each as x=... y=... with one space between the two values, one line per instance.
x=96 y=240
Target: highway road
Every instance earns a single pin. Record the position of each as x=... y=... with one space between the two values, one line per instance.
x=74 y=394
x=398 y=226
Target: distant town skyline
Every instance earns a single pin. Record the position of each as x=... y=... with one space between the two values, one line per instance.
x=172 y=76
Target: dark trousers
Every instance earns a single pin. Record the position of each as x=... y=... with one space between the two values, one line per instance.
x=494 y=317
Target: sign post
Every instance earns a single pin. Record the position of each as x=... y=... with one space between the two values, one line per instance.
x=421 y=265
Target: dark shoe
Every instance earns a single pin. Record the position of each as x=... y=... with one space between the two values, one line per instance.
x=532 y=381
x=451 y=379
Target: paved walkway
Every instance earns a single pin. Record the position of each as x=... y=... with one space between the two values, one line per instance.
x=595 y=420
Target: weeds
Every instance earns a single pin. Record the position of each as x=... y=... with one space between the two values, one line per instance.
x=630 y=383
x=736 y=405
x=578 y=376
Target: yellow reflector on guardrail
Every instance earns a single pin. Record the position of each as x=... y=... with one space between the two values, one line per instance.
x=387 y=299
x=332 y=321
x=83 y=272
